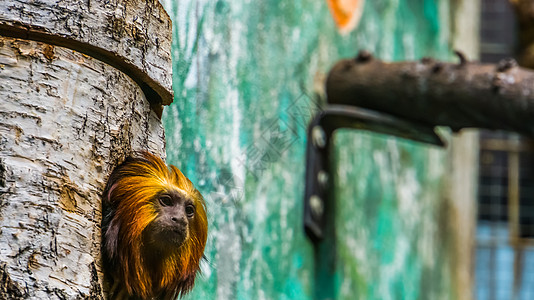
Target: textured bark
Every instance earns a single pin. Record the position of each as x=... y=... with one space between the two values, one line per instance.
x=66 y=120
x=455 y=95
x=134 y=36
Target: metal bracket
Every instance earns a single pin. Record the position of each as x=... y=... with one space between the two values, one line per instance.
x=320 y=131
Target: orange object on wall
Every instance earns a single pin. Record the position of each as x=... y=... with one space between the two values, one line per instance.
x=346 y=13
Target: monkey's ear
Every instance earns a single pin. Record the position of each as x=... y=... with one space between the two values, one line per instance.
x=112 y=239
x=109 y=191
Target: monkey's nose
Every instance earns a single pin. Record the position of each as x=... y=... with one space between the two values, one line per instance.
x=179 y=221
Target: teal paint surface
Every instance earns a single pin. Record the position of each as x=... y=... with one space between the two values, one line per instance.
x=244 y=74
x=388 y=228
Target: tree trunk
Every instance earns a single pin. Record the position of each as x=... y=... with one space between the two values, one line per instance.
x=68 y=116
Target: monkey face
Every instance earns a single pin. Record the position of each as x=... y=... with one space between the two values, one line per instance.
x=175 y=210
x=154 y=229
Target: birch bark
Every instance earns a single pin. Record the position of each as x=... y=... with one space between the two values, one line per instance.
x=65 y=121
x=80 y=87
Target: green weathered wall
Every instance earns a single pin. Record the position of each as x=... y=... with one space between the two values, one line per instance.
x=245 y=77
x=391 y=240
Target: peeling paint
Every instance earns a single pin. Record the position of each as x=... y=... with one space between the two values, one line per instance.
x=245 y=78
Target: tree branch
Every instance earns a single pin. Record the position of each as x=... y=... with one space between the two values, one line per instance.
x=459 y=95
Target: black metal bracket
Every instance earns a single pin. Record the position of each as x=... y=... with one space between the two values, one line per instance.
x=320 y=131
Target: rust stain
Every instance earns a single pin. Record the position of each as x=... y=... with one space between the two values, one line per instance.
x=32 y=261
x=24 y=48
x=346 y=13
x=72 y=198
x=48 y=52
x=67 y=198
x=9 y=287
x=68 y=194
x=18 y=134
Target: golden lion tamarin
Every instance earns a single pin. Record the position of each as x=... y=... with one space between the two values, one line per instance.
x=154 y=230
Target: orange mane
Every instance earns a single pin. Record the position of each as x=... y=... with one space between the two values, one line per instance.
x=129 y=197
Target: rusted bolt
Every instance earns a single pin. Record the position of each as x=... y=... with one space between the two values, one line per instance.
x=317 y=206
x=318 y=137
x=322 y=178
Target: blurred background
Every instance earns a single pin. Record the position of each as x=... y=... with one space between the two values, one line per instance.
x=504 y=252
x=413 y=221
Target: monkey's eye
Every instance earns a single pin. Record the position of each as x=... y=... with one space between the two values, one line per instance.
x=190 y=210
x=165 y=200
